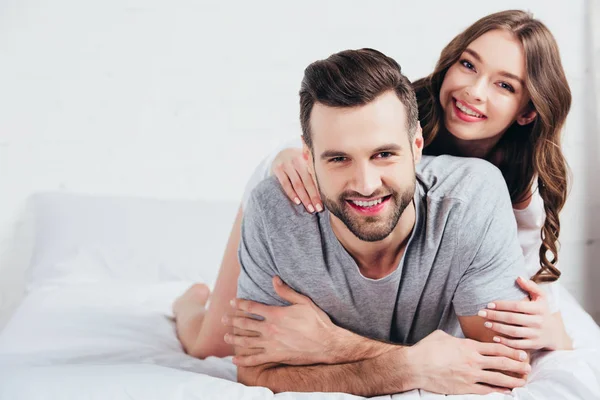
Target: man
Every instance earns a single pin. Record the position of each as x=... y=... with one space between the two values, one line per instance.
x=391 y=259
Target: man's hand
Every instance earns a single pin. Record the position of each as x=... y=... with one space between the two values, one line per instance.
x=299 y=334
x=444 y=364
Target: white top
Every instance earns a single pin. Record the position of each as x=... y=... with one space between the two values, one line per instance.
x=529 y=221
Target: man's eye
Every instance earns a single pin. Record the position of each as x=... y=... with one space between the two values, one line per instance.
x=385 y=154
x=338 y=159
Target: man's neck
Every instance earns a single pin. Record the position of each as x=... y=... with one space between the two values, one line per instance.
x=377 y=259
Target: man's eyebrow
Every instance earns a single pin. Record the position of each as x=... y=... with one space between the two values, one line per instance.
x=503 y=73
x=388 y=147
x=332 y=154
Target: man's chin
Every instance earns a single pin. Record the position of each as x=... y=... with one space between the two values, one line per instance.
x=372 y=237
x=375 y=234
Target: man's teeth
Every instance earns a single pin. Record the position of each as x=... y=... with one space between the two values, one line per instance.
x=467 y=110
x=367 y=203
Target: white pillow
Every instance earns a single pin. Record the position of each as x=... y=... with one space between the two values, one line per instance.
x=81 y=238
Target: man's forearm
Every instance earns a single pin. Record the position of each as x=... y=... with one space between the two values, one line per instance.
x=348 y=347
x=384 y=374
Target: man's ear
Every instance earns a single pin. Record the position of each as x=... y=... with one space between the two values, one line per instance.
x=417 y=143
x=527 y=116
x=308 y=157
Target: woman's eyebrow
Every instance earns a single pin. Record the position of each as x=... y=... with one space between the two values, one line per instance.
x=474 y=54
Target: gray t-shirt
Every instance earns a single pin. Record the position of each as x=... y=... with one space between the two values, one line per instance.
x=462 y=254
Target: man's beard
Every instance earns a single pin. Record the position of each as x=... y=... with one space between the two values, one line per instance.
x=370 y=228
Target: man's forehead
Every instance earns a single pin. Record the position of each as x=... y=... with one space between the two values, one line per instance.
x=365 y=128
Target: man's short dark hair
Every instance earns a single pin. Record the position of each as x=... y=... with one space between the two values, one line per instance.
x=354 y=78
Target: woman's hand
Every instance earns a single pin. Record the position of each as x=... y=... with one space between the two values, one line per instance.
x=299 y=334
x=526 y=324
x=291 y=169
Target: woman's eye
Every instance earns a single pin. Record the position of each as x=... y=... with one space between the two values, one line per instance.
x=467 y=64
x=506 y=86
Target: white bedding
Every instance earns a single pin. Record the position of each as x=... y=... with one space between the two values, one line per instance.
x=116 y=340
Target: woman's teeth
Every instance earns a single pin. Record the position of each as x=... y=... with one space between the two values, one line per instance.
x=367 y=203
x=467 y=110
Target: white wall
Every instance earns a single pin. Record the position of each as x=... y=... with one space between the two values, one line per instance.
x=181 y=99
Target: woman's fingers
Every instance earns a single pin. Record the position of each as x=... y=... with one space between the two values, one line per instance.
x=534 y=290
x=299 y=187
x=524 y=307
x=512 y=318
x=511 y=330
x=298 y=184
x=286 y=184
x=309 y=183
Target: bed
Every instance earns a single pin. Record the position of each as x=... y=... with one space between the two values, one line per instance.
x=97 y=323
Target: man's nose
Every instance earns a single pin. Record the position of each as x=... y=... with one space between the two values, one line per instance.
x=368 y=179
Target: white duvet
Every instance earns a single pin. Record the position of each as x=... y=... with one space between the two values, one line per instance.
x=116 y=340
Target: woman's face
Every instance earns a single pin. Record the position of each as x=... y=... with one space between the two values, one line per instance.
x=484 y=92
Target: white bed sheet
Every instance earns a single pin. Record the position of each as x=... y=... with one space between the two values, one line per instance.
x=116 y=340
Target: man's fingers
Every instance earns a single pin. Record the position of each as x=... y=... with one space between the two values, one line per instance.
x=512 y=318
x=501 y=380
x=287 y=293
x=244 y=351
x=245 y=326
x=285 y=183
x=253 y=360
x=482 y=389
x=247 y=342
x=251 y=307
x=511 y=330
x=500 y=350
x=523 y=344
x=299 y=187
x=506 y=364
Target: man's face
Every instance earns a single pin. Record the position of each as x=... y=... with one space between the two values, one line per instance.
x=364 y=163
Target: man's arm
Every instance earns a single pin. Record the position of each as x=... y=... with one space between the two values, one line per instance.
x=488 y=251
x=439 y=363
x=386 y=373
x=489 y=227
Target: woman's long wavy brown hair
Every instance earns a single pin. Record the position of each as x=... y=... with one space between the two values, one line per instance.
x=523 y=152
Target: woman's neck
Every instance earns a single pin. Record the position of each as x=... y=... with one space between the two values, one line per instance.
x=446 y=143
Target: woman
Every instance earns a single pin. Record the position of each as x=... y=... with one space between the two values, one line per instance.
x=498 y=92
